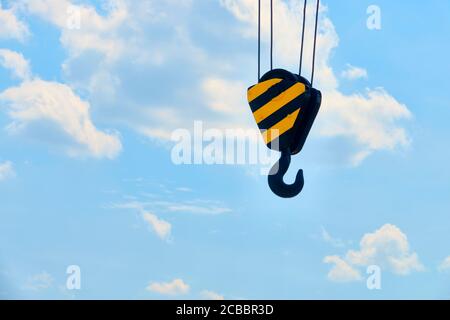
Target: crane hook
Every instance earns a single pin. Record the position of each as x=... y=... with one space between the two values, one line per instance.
x=276 y=175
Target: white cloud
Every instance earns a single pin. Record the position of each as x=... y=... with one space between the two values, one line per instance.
x=37 y=106
x=335 y=242
x=371 y=120
x=159 y=203
x=201 y=207
x=211 y=295
x=95 y=32
x=6 y=171
x=40 y=104
x=368 y=119
x=197 y=206
x=134 y=37
x=223 y=106
x=160 y=227
x=225 y=96
x=387 y=247
x=354 y=73
x=15 y=62
x=445 y=265
x=342 y=271
x=173 y=288
x=11 y=26
x=122 y=32
x=39 y=282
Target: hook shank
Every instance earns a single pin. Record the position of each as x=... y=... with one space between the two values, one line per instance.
x=276 y=176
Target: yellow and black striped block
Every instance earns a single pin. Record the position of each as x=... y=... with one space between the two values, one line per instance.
x=276 y=106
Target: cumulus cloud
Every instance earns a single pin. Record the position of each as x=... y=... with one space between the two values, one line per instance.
x=39 y=108
x=160 y=227
x=387 y=247
x=38 y=104
x=15 y=62
x=82 y=28
x=6 y=171
x=134 y=42
x=211 y=295
x=173 y=288
x=223 y=107
x=371 y=119
x=11 y=26
x=342 y=271
x=354 y=73
x=225 y=96
x=445 y=265
x=210 y=87
x=98 y=65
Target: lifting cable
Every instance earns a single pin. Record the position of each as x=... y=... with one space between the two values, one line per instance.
x=315 y=43
x=302 y=41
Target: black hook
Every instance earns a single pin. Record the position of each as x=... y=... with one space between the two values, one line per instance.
x=276 y=175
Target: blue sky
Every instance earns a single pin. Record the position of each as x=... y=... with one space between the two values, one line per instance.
x=87 y=177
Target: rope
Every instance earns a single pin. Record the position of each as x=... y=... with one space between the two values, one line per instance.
x=302 y=42
x=315 y=43
x=303 y=37
x=259 y=40
x=259 y=37
x=271 y=34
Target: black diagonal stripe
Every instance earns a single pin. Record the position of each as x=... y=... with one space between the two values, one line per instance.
x=282 y=142
x=289 y=108
x=270 y=94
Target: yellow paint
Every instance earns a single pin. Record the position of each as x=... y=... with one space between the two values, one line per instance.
x=280 y=128
x=278 y=102
x=257 y=90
